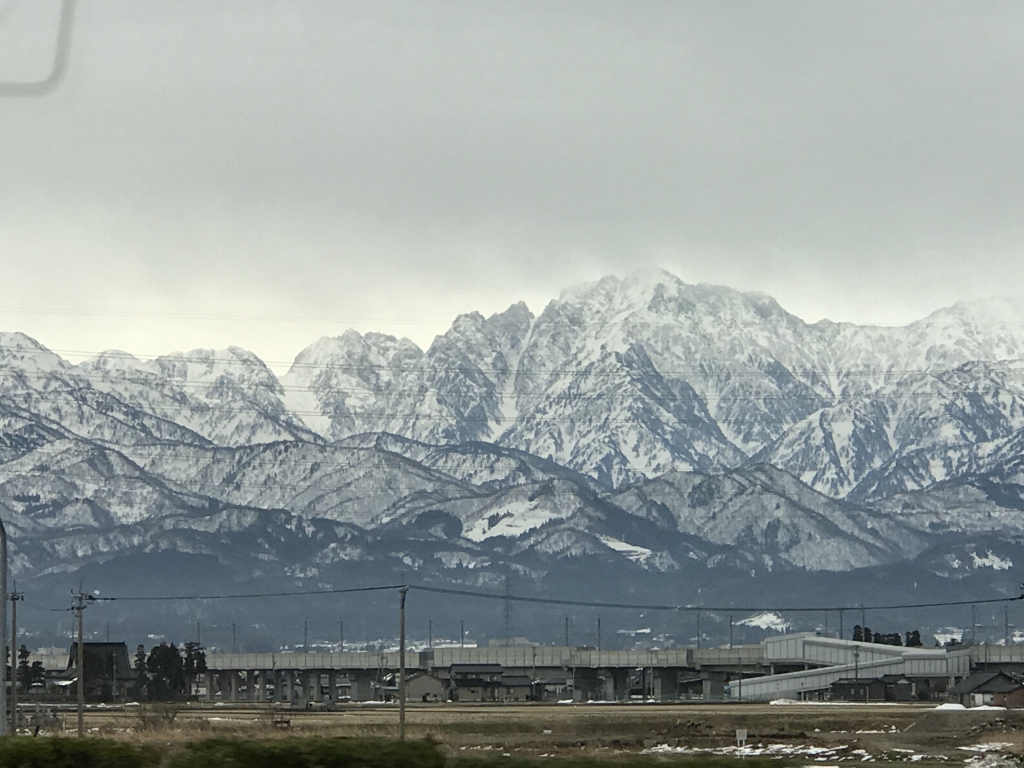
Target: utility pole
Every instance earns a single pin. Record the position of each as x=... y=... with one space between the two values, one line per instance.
x=430 y=633
x=3 y=624
x=462 y=634
x=1007 y=626
x=234 y=645
x=730 y=631
x=974 y=625
x=698 y=630
x=841 y=636
x=566 y=631
x=341 y=635
x=508 y=612
x=403 y=591
x=80 y=599
x=199 y=633
x=598 y=634
x=16 y=596
x=305 y=637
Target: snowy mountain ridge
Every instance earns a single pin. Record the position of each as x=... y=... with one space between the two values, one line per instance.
x=661 y=427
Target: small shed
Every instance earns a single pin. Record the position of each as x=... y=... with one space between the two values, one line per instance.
x=552 y=689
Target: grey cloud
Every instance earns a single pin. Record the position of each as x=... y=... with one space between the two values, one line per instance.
x=861 y=158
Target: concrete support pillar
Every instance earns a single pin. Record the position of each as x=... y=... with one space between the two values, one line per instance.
x=208 y=682
x=288 y=686
x=657 y=691
x=233 y=681
x=332 y=685
x=261 y=685
x=713 y=685
x=250 y=685
x=316 y=680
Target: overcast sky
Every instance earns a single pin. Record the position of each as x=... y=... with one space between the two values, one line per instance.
x=206 y=166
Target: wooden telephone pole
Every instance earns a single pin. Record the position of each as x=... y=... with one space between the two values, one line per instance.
x=15 y=596
x=403 y=591
x=80 y=600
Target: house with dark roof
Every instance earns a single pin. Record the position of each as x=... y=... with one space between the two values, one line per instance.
x=108 y=671
x=475 y=682
x=516 y=688
x=884 y=688
x=858 y=689
x=988 y=687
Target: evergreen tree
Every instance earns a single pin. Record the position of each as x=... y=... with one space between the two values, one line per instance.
x=141 y=675
x=37 y=674
x=166 y=672
x=24 y=670
x=858 y=633
x=868 y=637
x=195 y=662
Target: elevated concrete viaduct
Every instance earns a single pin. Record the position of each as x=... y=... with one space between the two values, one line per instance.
x=797 y=666
x=582 y=674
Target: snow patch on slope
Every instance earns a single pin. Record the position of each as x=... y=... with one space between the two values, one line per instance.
x=989 y=560
x=767 y=620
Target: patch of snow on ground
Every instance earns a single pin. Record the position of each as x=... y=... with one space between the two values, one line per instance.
x=766 y=750
x=994 y=746
x=991 y=760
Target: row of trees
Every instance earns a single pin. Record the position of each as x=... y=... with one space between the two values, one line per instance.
x=865 y=635
x=168 y=672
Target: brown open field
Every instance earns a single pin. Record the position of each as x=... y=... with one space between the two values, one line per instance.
x=832 y=732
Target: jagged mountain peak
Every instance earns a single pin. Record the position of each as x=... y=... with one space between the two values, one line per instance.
x=349 y=347
x=25 y=353
x=995 y=310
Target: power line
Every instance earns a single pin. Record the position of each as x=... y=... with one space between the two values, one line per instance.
x=244 y=596
x=509 y=596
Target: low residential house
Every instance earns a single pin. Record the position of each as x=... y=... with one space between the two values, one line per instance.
x=475 y=682
x=899 y=688
x=858 y=689
x=516 y=688
x=425 y=687
x=988 y=687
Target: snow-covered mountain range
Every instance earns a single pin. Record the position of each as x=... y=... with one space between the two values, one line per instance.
x=641 y=424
